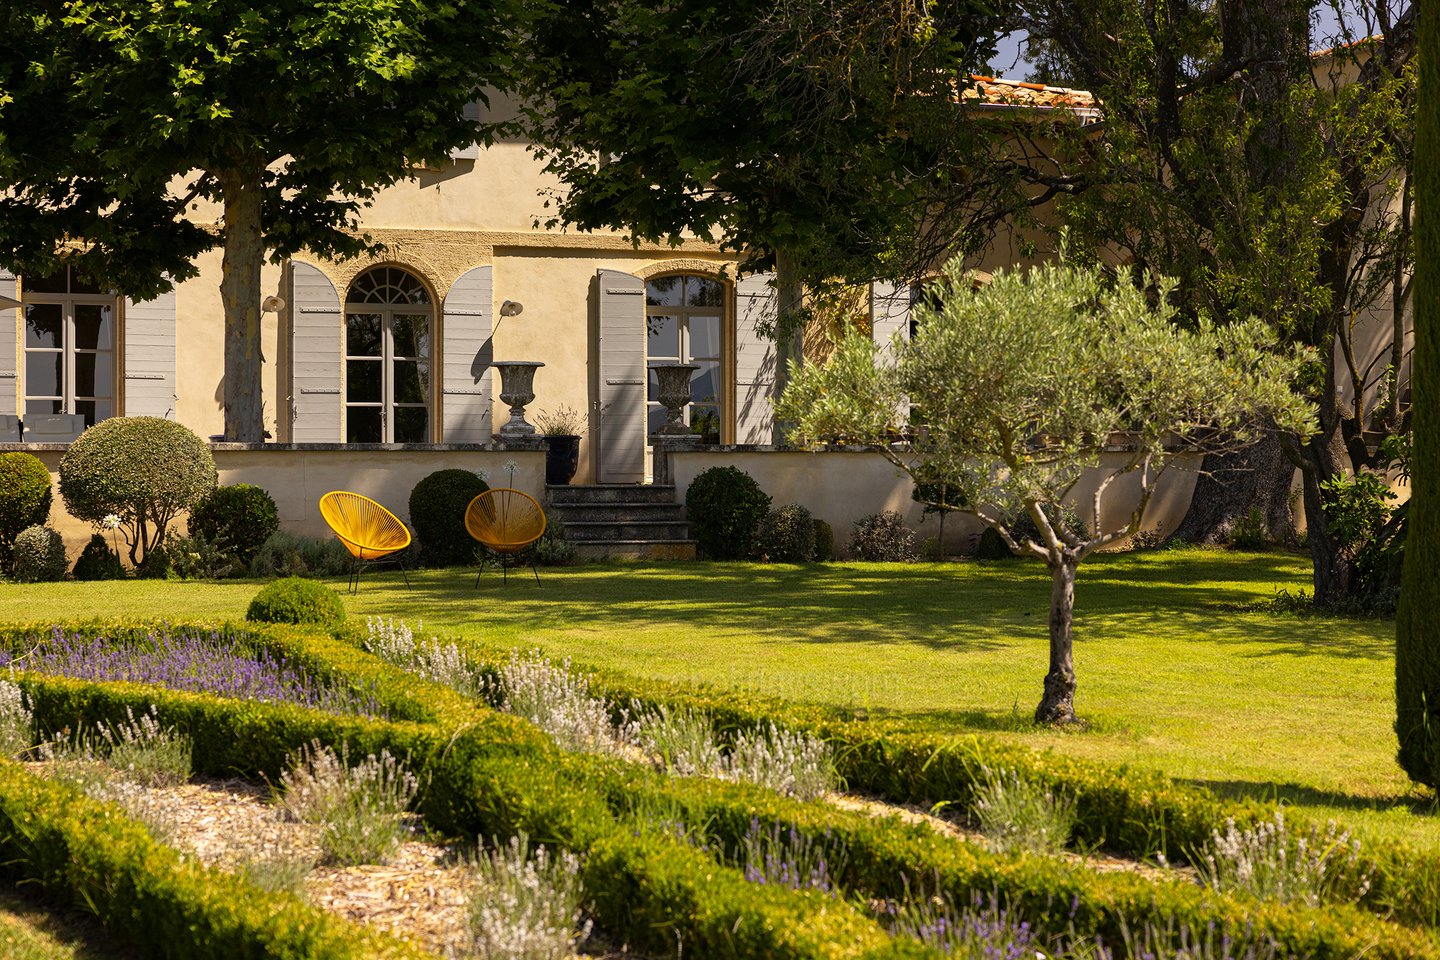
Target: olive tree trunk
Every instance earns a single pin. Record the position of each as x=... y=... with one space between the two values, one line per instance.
x=1058 y=704
x=240 y=296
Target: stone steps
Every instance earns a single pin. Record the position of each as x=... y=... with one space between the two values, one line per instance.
x=622 y=521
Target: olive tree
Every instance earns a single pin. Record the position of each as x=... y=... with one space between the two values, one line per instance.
x=1022 y=385
x=143 y=471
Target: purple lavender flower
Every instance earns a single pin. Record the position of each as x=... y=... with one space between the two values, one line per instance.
x=190 y=660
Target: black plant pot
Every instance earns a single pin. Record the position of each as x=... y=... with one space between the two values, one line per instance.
x=562 y=458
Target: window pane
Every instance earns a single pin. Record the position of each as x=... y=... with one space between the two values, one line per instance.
x=44 y=406
x=44 y=324
x=362 y=424
x=652 y=385
x=704 y=292
x=44 y=374
x=705 y=384
x=362 y=381
x=412 y=382
x=362 y=334
x=663 y=340
x=665 y=292
x=54 y=283
x=654 y=418
x=93 y=326
x=412 y=336
x=94 y=410
x=412 y=425
x=95 y=375
x=704 y=337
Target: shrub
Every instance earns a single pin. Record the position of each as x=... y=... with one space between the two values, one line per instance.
x=552 y=549
x=199 y=558
x=882 y=537
x=286 y=555
x=296 y=600
x=437 y=511
x=16 y=722
x=236 y=519
x=724 y=505
x=526 y=907
x=24 y=497
x=824 y=541
x=145 y=470
x=39 y=556
x=98 y=562
x=786 y=535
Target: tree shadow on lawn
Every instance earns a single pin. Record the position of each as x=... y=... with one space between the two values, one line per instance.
x=1300 y=795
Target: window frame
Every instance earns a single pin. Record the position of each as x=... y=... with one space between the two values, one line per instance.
x=388 y=312
x=68 y=301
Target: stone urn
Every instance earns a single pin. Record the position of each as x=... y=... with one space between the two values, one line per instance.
x=674 y=393
x=517 y=388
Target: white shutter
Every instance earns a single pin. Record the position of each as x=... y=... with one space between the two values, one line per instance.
x=889 y=313
x=621 y=435
x=149 y=357
x=465 y=379
x=9 y=364
x=755 y=303
x=472 y=150
x=318 y=332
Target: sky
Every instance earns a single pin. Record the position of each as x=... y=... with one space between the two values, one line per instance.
x=1007 y=61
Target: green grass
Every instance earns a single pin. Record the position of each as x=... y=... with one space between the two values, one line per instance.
x=29 y=933
x=1173 y=673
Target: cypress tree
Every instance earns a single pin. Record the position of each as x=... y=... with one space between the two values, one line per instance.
x=1417 y=639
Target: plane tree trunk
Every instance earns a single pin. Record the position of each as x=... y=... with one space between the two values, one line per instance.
x=240 y=295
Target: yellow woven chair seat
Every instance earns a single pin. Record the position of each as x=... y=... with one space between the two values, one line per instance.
x=505 y=519
x=367 y=529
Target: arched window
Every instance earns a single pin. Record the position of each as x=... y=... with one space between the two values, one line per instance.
x=388 y=323
x=69 y=346
x=684 y=314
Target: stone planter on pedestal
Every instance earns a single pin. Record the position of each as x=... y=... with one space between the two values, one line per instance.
x=517 y=388
x=673 y=394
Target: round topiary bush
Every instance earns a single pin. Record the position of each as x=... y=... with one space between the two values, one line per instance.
x=883 y=537
x=97 y=562
x=24 y=497
x=437 y=512
x=39 y=555
x=824 y=541
x=144 y=470
x=786 y=535
x=724 y=505
x=236 y=519
x=296 y=600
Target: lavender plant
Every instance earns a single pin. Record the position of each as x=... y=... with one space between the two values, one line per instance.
x=361 y=808
x=143 y=751
x=679 y=740
x=558 y=701
x=275 y=868
x=526 y=906
x=786 y=857
x=1272 y=862
x=1169 y=940
x=1016 y=814
x=984 y=929
x=16 y=722
x=791 y=762
x=445 y=664
x=190 y=660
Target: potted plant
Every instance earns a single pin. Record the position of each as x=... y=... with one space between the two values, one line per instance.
x=561 y=429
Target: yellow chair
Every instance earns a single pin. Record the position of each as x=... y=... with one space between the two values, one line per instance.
x=505 y=521
x=371 y=533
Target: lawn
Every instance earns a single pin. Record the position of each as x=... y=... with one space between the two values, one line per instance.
x=1173 y=672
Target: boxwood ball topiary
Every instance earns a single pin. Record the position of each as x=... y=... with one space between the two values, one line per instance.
x=437 y=512
x=145 y=470
x=786 y=535
x=296 y=600
x=237 y=519
x=724 y=505
x=24 y=496
x=39 y=556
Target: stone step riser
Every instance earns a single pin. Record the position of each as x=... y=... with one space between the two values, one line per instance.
x=617 y=512
x=609 y=493
x=638 y=550
x=602 y=532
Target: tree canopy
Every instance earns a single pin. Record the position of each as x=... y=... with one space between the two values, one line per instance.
x=1023 y=384
x=118 y=117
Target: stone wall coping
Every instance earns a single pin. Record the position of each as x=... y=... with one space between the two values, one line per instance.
x=508 y=446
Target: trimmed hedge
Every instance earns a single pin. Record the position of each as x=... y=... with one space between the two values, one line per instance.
x=148 y=896
x=296 y=600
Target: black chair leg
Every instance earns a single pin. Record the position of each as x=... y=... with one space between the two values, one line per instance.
x=405 y=573
x=535 y=570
